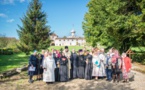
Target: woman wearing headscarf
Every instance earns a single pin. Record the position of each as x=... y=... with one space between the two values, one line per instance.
x=32 y=68
x=116 y=65
x=81 y=65
x=63 y=70
x=96 y=64
x=89 y=66
x=57 y=58
x=126 y=67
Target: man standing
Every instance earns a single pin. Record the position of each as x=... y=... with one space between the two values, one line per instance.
x=74 y=64
x=67 y=54
x=49 y=67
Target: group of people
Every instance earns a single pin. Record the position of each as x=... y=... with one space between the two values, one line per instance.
x=52 y=66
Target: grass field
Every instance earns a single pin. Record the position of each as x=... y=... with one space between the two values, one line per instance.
x=8 y=62
x=70 y=47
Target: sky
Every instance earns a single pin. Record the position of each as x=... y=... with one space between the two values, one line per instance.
x=62 y=16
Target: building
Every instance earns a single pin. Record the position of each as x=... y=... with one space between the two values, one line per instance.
x=72 y=40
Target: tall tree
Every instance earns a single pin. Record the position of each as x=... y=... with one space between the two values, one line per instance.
x=115 y=23
x=34 y=33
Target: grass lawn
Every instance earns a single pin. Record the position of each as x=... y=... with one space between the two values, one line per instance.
x=70 y=47
x=8 y=62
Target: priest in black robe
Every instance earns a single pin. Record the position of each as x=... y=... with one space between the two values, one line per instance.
x=89 y=66
x=74 y=64
x=63 y=70
x=81 y=65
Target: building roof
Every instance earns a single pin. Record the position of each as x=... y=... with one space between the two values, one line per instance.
x=72 y=38
x=53 y=34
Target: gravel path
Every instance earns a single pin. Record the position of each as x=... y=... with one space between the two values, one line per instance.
x=20 y=82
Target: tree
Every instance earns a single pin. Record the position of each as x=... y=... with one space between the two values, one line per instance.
x=3 y=41
x=34 y=33
x=115 y=23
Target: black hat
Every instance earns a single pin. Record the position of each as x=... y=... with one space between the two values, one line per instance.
x=80 y=50
x=66 y=47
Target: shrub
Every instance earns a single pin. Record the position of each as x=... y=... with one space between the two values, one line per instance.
x=139 y=57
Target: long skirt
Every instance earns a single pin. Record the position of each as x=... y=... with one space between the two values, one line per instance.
x=81 y=72
x=95 y=71
x=88 y=72
x=57 y=76
x=63 y=73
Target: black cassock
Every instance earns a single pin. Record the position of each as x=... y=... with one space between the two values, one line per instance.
x=74 y=65
x=57 y=76
x=81 y=66
x=89 y=67
x=63 y=69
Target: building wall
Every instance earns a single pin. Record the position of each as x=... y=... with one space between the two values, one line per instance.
x=69 y=42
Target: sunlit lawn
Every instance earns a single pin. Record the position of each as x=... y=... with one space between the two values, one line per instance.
x=70 y=47
x=8 y=62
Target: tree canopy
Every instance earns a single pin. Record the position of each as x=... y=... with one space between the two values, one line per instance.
x=115 y=23
x=34 y=33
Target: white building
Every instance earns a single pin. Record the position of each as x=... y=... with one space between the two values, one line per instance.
x=72 y=40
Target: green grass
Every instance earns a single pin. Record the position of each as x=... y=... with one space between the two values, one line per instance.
x=8 y=62
x=70 y=47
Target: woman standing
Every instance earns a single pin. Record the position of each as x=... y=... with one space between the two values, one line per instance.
x=126 y=66
x=57 y=57
x=96 y=64
x=63 y=70
x=81 y=65
x=49 y=67
x=89 y=66
x=33 y=63
x=102 y=57
x=116 y=65
x=40 y=62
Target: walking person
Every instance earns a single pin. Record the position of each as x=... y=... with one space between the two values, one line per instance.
x=33 y=66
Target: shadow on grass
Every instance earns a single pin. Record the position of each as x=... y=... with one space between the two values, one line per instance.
x=19 y=76
x=8 y=62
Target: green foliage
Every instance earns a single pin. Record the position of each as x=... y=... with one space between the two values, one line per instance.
x=3 y=41
x=115 y=23
x=34 y=33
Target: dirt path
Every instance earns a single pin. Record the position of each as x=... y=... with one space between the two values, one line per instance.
x=20 y=82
